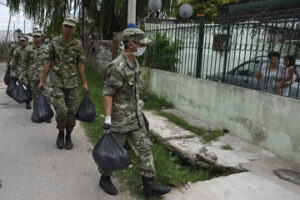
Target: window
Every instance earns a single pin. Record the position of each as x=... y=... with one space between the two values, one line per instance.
x=219 y=43
x=246 y=69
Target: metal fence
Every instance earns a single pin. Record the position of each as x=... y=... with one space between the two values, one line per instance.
x=229 y=52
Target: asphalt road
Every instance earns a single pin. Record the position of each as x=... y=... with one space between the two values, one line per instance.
x=32 y=168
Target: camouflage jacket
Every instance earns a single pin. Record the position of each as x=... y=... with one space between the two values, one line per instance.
x=18 y=61
x=35 y=60
x=122 y=81
x=65 y=56
x=12 y=49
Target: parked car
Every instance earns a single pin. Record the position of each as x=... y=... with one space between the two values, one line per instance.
x=243 y=75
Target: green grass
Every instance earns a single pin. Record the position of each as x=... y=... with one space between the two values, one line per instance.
x=94 y=80
x=155 y=102
x=226 y=147
x=212 y=135
x=171 y=170
x=182 y=123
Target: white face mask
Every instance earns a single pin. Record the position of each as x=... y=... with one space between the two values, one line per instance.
x=140 y=50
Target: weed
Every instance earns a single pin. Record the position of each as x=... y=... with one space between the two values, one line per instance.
x=226 y=147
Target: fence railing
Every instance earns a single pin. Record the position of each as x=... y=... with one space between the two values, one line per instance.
x=229 y=52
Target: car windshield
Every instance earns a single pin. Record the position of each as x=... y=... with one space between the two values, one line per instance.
x=246 y=69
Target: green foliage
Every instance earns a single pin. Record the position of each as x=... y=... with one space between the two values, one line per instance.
x=226 y=147
x=4 y=48
x=161 y=53
x=208 y=8
x=155 y=102
x=182 y=123
x=212 y=135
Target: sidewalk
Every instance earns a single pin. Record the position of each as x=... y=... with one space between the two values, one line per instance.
x=257 y=182
x=32 y=168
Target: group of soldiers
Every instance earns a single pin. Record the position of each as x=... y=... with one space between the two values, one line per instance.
x=121 y=88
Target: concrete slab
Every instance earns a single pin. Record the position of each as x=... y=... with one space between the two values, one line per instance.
x=243 y=186
x=165 y=130
x=178 y=140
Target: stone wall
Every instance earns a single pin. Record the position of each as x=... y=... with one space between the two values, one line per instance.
x=264 y=119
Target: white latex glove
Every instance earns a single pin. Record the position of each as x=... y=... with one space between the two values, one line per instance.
x=107 y=120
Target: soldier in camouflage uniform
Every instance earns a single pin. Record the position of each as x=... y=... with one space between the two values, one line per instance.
x=11 y=51
x=65 y=58
x=36 y=55
x=19 y=62
x=123 y=114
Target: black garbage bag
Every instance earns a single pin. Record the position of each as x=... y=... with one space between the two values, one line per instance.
x=7 y=76
x=11 y=86
x=86 y=111
x=109 y=154
x=146 y=122
x=21 y=93
x=41 y=111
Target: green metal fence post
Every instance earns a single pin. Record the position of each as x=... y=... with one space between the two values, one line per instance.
x=200 y=47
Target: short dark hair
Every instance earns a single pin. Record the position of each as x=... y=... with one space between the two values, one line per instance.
x=291 y=59
x=273 y=54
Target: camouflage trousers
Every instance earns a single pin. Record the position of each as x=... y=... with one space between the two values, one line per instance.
x=33 y=84
x=65 y=105
x=141 y=145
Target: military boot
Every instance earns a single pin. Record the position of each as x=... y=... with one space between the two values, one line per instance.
x=28 y=106
x=151 y=189
x=106 y=184
x=69 y=143
x=60 y=139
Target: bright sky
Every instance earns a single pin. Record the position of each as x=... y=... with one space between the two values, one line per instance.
x=17 y=20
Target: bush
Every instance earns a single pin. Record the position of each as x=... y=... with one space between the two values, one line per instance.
x=161 y=53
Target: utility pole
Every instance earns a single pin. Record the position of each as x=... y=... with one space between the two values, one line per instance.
x=131 y=17
x=8 y=28
x=24 y=26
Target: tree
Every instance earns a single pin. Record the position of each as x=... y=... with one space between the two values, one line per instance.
x=107 y=16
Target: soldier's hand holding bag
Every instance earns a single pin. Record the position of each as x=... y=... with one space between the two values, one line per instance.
x=42 y=110
x=109 y=154
x=86 y=111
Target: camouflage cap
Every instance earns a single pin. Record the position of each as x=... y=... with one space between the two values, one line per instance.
x=37 y=33
x=24 y=37
x=134 y=35
x=70 y=21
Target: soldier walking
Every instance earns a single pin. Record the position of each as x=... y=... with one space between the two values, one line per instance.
x=11 y=51
x=19 y=63
x=123 y=116
x=36 y=55
x=66 y=58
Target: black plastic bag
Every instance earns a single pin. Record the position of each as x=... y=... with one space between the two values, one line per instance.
x=41 y=111
x=146 y=122
x=110 y=155
x=86 y=111
x=11 y=86
x=7 y=76
x=21 y=93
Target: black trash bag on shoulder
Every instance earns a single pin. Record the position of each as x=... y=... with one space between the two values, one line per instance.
x=11 y=86
x=7 y=76
x=42 y=111
x=21 y=93
x=86 y=111
x=109 y=154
